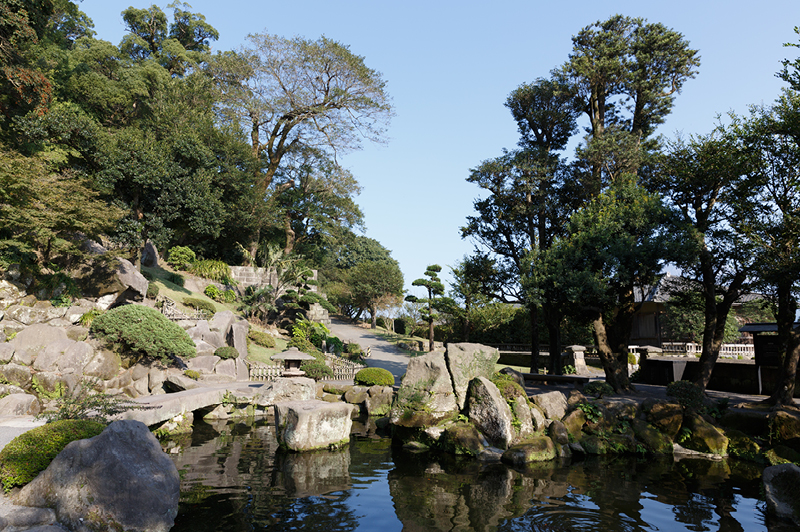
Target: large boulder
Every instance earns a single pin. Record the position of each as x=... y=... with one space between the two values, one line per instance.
x=285 y=390
x=705 y=438
x=538 y=449
x=37 y=337
x=311 y=425
x=666 y=417
x=119 y=480
x=466 y=362
x=426 y=395
x=780 y=490
x=19 y=404
x=553 y=404
x=785 y=428
x=150 y=255
x=237 y=337
x=202 y=333
x=490 y=413
x=222 y=322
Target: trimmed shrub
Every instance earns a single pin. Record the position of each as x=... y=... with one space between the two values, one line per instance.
x=336 y=344
x=374 y=377
x=143 y=330
x=225 y=352
x=228 y=296
x=313 y=297
x=598 y=389
x=181 y=258
x=192 y=374
x=689 y=395
x=31 y=452
x=353 y=348
x=152 y=291
x=207 y=307
x=261 y=338
x=317 y=370
x=216 y=270
x=306 y=347
x=176 y=279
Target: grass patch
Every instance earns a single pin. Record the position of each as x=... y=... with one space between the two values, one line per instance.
x=261 y=355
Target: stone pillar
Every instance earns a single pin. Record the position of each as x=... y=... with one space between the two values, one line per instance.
x=574 y=357
x=647 y=350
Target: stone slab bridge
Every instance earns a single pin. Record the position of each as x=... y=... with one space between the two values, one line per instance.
x=170 y=405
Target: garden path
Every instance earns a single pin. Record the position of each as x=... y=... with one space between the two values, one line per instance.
x=382 y=353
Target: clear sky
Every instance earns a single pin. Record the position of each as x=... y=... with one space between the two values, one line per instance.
x=450 y=66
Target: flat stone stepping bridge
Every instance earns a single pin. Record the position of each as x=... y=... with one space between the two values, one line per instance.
x=170 y=405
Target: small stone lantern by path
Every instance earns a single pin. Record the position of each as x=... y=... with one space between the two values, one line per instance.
x=292 y=359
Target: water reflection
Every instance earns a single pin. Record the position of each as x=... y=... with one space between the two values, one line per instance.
x=234 y=478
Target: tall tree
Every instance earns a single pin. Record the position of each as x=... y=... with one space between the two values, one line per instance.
x=704 y=182
x=292 y=93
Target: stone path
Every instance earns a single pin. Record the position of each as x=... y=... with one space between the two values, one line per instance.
x=383 y=354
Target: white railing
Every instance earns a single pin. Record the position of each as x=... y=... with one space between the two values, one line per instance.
x=726 y=351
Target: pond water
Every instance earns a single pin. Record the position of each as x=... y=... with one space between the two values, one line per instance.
x=234 y=478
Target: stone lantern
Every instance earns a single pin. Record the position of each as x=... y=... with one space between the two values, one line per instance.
x=292 y=359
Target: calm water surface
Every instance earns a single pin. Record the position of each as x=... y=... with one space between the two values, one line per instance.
x=234 y=478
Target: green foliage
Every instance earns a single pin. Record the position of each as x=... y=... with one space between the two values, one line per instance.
x=570 y=370
x=261 y=338
x=212 y=291
x=31 y=452
x=598 y=389
x=632 y=359
x=508 y=386
x=44 y=394
x=216 y=270
x=374 y=377
x=181 y=258
x=689 y=395
x=313 y=297
x=206 y=307
x=258 y=303
x=591 y=411
x=192 y=374
x=143 y=330
x=317 y=370
x=316 y=333
x=305 y=346
x=87 y=318
x=684 y=435
x=684 y=319
x=176 y=279
x=336 y=344
x=152 y=291
x=61 y=301
x=86 y=403
x=354 y=349
x=226 y=352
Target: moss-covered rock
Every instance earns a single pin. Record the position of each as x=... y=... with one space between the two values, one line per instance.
x=537 y=449
x=784 y=429
x=705 y=438
x=652 y=438
x=740 y=445
x=614 y=444
x=558 y=432
x=574 y=422
x=781 y=454
x=666 y=417
x=462 y=439
x=31 y=452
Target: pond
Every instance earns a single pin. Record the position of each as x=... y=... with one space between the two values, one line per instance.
x=234 y=478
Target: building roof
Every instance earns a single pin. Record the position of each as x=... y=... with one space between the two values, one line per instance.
x=668 y=285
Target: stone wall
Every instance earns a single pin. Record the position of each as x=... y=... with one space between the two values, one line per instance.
x=249 y=276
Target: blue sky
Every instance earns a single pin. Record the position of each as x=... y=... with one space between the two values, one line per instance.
x=449 y=67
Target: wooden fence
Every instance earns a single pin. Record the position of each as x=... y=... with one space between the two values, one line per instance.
x=343 y=369
x=265 y=372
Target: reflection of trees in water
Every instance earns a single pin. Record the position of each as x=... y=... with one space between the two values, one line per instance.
x=238 y=480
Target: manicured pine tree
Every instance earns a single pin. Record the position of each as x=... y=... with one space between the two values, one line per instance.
x=435 y=289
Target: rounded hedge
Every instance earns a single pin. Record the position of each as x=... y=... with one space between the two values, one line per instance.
x=317 y=370
x=374 y=377
x=31 y=452
x=200 y=304
x=225 y=352
x=143 y=330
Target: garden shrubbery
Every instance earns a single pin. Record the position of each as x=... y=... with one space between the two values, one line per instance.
x=317 y=370
x=261 y=338
x=143 y=330
x=374 y=377
x=31 y=452
x=216 y=270
x=206 y=307
x=181 y=258
x=226 y=352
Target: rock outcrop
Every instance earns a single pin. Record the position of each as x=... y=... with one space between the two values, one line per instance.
x=119 y=480
x=311 y=425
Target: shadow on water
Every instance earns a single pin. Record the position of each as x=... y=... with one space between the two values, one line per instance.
x=234 y=478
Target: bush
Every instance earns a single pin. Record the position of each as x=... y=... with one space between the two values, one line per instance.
x=181 y=258
x=228 y=296
x=261 y=338
x=152 y=291
x=226 y=352
x=212 y=291
x=313 y=297
x=336 y=344
x=31 y=452
x=176 y=279
x=354 y=349
x=87 y=403
x=632 y=360
x=598 y=389
x=317 y=370
x=192 y=374
x=87 y=318
x=143 y=330
x=206 y=307
x=374 y=377
x=216 y=270
x=689 y=395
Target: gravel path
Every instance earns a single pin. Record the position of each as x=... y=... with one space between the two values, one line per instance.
x=382 y=353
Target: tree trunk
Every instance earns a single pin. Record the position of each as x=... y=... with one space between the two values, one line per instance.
x=290 y=235
x=430 y=335
x=534 y=319
x=553 y=322
x=789 y=346
x=615 y=365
